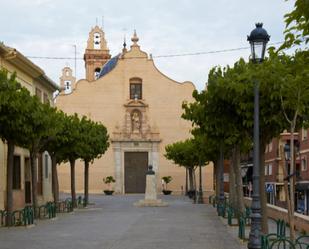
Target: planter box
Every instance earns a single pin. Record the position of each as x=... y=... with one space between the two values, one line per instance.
x=167 y=192
x=108 y=192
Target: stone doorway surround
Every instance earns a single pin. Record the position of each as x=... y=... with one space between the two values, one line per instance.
x=120 y=147
x=135 y=135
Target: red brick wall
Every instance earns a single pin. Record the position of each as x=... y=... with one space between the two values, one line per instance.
x=274 y=212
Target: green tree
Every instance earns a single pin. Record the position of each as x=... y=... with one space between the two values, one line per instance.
x=186 y=154
x=41 y=125
x=94 y=144
x=297 y=28
x=14 y=103
x=54 y=144
x=215 y=115
x=72 y=148
x=225 y=111
x=294 y=93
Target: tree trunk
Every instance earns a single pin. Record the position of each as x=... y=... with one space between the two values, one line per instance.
x=240 y=205
x=186 y=188
x=218 y=183
x=194 y=179
x=34 y=182
x=73 y=192
x=194 y=185
x=190 y=179
x=55 y=183
x=263 y=196
x=286 y=190
x=232 y=184
x=292 y=183
x=9 y=182
x=214 y=176
x=86 y=182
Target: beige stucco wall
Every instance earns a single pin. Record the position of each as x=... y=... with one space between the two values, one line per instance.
x=103 y=100
x=26 y=78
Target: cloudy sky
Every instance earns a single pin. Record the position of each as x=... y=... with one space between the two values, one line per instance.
x=50 y=28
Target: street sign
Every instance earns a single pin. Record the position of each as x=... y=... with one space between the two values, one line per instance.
x=269 y=188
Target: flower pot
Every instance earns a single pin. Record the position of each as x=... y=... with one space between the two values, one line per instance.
x=108 y=192
x=167 y=192
x=191 y=193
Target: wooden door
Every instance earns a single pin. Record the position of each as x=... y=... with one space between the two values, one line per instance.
x=135 y=168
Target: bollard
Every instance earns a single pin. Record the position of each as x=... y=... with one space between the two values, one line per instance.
x=230 y=213
x=281 y=225
x=69 y=205
x=2 y=215
x=79 y=200
x=241 y=228
x=28 y=216
x=264 y=242
x=214 y=201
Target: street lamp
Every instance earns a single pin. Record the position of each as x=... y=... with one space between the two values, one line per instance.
x=287 y=152
x=258 y=39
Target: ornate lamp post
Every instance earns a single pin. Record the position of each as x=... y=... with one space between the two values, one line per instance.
x=258 y=40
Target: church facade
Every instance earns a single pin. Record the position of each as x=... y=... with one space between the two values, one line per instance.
x=141 y=108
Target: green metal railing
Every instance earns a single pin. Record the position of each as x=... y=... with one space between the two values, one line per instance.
x=227 y=211
x=25 y=216
x=279 y=240
x=282 y=243
x=276 y=240
x=47 y=211
x=302 y=242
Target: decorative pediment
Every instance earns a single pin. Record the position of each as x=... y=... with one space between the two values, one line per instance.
x=135 y=126
x=136 y=103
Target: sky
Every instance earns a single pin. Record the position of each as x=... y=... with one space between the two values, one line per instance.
x=50 y=28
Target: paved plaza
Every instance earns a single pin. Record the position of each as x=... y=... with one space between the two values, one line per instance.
x=114 y=223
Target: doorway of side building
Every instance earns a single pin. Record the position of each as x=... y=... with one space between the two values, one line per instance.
x=27 y=181
x=135 y=169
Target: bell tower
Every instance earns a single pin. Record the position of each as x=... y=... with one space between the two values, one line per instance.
x=67 y=80
x=96 y=54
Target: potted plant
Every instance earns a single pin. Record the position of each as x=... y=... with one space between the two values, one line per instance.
x=108 y=180
x=166 y=180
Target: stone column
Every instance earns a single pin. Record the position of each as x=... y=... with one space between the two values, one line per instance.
x=118 y=168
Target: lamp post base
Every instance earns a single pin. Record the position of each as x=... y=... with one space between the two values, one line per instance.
x=200 y=199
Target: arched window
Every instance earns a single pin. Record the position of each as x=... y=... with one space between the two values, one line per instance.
x=136 y=88
x=67 y=87
x=97 y=72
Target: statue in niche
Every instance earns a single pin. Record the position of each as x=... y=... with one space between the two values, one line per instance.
x=136 y=122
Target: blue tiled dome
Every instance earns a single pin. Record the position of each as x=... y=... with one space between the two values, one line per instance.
x=109 y=66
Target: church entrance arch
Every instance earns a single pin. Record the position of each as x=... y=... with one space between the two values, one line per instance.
x=131 y=160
